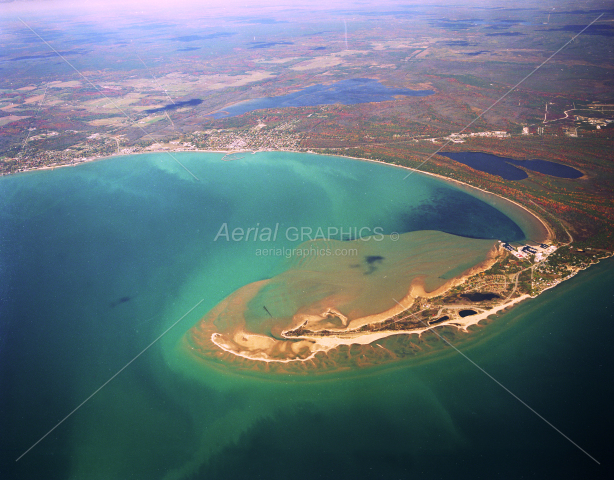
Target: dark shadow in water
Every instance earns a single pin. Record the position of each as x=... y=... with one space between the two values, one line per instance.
x=372 y=260
x=119 y=301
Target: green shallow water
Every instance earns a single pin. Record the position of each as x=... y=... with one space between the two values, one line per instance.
x=364 y=282
x=97 y=261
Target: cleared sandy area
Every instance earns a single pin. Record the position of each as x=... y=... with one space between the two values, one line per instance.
x=326 y=61
x=11 y=119
x=69 y=84
x=34 y=99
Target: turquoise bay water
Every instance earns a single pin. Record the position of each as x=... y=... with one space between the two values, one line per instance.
x=96 y=261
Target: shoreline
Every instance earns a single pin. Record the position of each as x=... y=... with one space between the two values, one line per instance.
x=529 y=215
x=460 y=324
x=324 y=344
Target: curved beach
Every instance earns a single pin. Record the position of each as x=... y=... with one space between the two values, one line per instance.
x=536 y=227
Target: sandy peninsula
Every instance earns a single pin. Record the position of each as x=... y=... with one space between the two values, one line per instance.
x=323 y=327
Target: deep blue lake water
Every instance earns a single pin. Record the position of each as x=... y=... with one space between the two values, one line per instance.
x=346 y=92
x=504 y=167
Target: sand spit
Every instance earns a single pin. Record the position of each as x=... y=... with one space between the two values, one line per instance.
x=285 y=348
x=253 y=344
